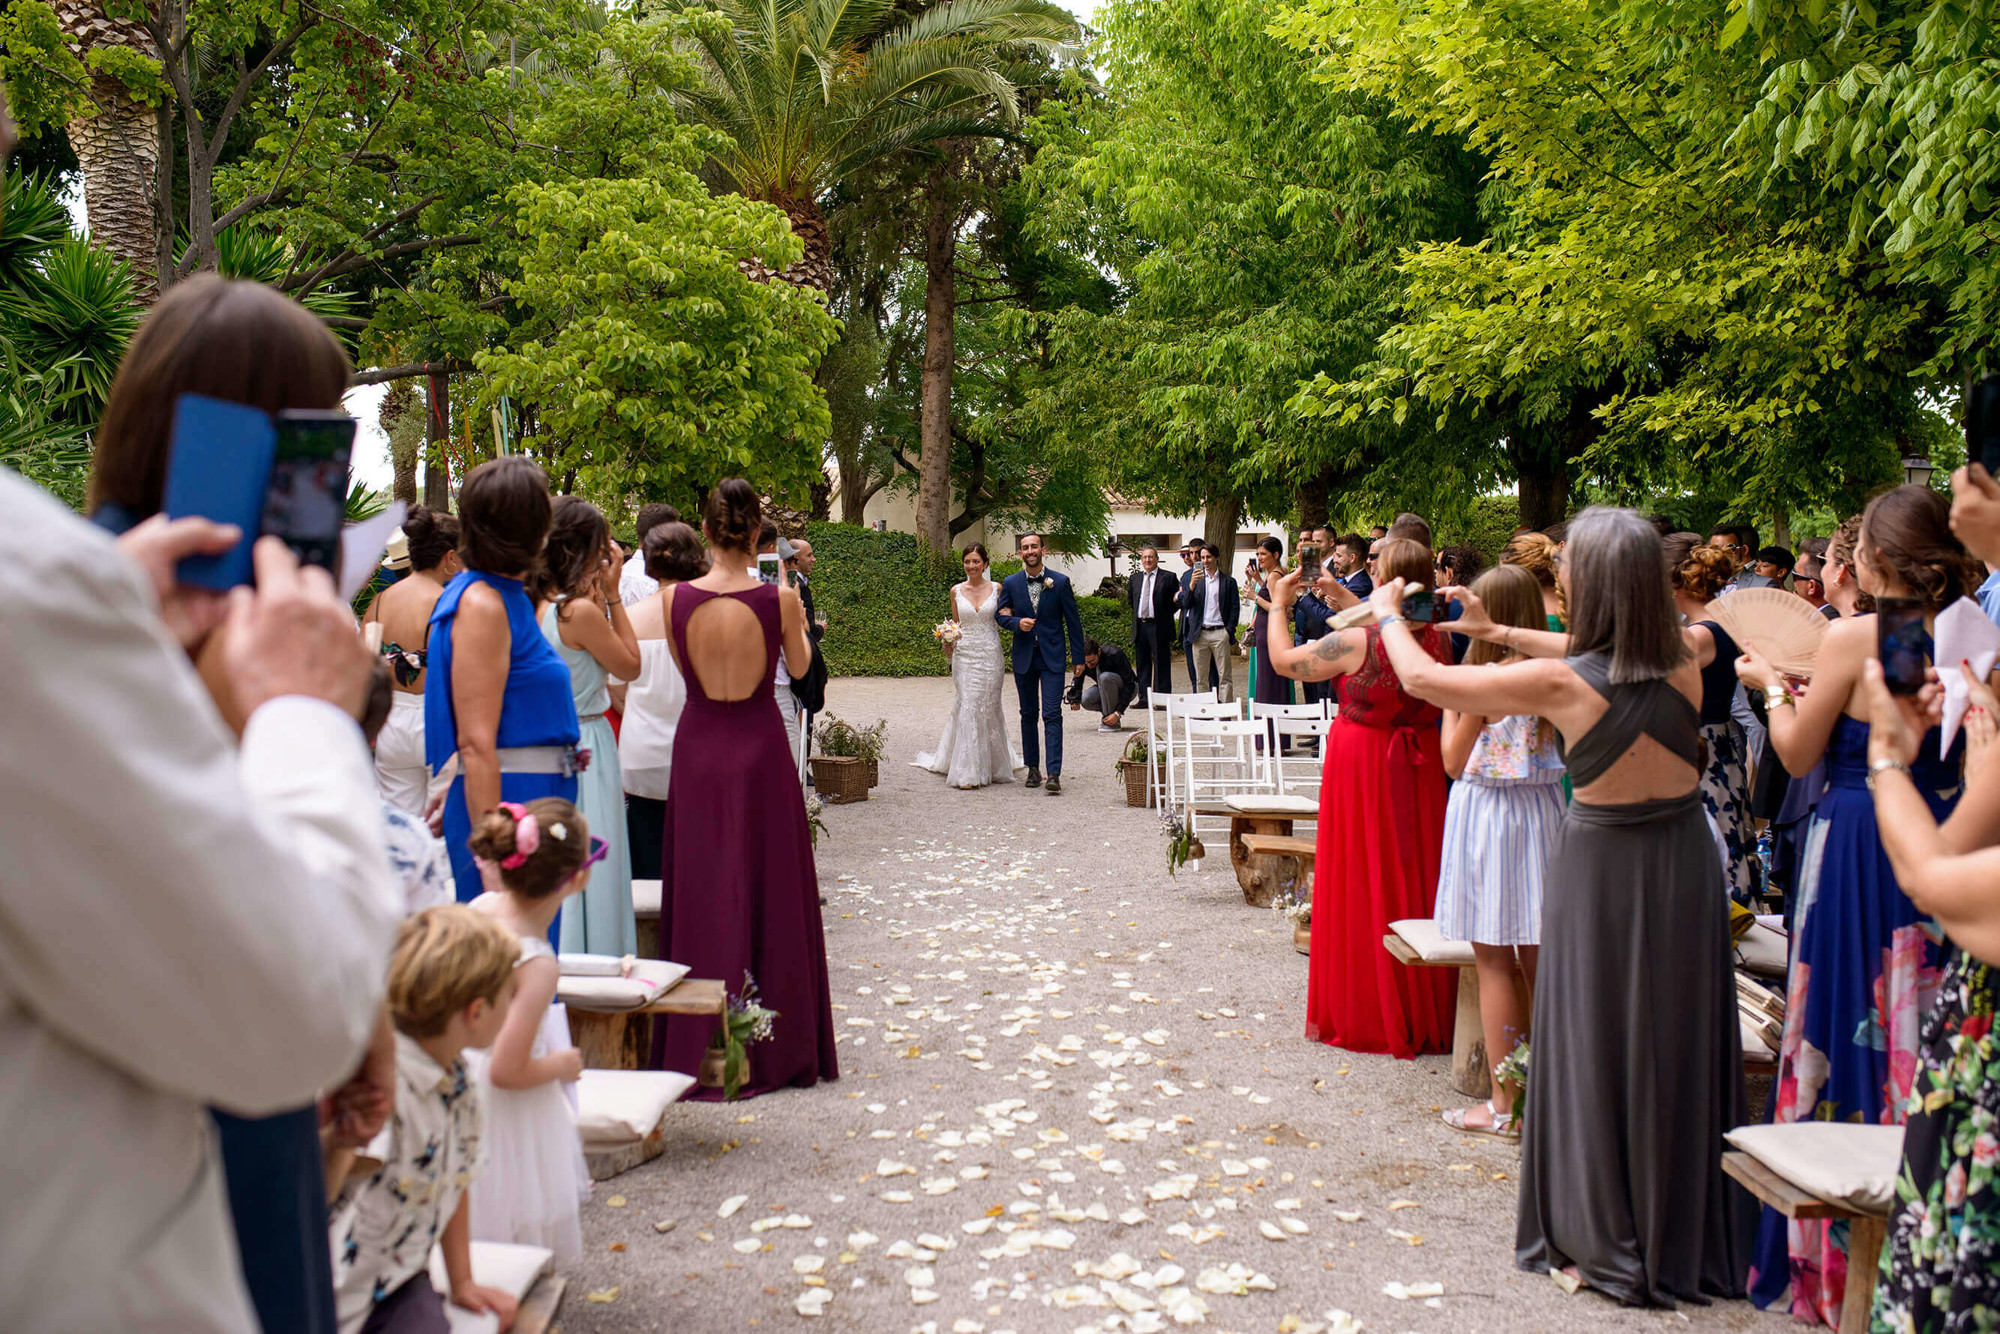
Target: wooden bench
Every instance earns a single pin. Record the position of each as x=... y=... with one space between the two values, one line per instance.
x=1255 y=813
x=1277 y=863
x=1865 y=1231
x=646 y=916
x=621 y=1115
x=623 y=1039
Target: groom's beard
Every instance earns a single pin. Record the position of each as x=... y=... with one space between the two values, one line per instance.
x=1032 y=566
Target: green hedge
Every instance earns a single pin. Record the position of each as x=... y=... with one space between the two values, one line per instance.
x=880 y=595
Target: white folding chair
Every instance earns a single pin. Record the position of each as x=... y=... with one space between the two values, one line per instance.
x=1219 y=760
x=1162 y=742
x=1299 y=772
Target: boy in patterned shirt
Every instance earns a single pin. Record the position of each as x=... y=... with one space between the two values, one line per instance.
x=450 y=982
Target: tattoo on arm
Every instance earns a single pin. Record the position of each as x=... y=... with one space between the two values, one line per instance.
x=1326 y=651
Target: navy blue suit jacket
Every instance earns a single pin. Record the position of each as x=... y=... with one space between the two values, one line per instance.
x=1194 y=600
x=1041 y=648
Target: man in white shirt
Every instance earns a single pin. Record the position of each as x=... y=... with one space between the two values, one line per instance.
x=1214 y=607
x=184 y=921
x=634 y=584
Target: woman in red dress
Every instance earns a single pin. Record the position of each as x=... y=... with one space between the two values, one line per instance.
x=1381 y=831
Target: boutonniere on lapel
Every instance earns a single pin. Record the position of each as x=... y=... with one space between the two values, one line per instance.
x=1048 y=582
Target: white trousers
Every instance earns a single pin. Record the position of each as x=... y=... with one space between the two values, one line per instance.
x=399 y=755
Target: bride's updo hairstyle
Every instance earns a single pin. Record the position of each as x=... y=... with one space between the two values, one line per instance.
x=975 y=549
x=1908 y=534
x=733 y=515
x=1619 y=597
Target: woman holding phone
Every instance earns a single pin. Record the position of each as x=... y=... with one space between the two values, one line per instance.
x=1864 y=958
x=1379 y=847
x=1267 y=685
x=1636 y=1070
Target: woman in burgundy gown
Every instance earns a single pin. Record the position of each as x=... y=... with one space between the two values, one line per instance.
x=1381 y=834
x=738 y=890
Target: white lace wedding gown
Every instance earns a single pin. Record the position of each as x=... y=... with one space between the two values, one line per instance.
x=975 y=749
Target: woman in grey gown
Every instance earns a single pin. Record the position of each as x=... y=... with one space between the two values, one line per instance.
x=1636 y=1068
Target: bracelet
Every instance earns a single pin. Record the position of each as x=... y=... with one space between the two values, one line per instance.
x=1774 y=695
x=1387 y=621
x=1883 y=766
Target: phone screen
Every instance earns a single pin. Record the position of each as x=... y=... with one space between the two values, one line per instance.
x=769 y=566
x=1902 y=643
x=305 y=502
x=216 y=468
x=1420 y=606
x=1309 y=564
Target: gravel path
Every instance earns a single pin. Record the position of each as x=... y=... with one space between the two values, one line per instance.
x=1074 y=1097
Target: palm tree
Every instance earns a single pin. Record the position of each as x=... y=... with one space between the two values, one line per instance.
x=117 y=144
x=808 y=91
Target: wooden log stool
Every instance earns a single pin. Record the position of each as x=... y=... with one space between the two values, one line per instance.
x=1417 y=943
x=1278 y=864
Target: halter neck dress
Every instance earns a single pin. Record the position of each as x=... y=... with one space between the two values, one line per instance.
x=738 y=890
x=1636 y=1067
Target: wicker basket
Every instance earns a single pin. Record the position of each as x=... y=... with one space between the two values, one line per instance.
x=1138 y=792
x=840 y=778
x=874 y=772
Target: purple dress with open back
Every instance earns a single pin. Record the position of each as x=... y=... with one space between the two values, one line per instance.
x=738 y=890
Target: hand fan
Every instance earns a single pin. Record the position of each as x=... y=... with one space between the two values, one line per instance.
x=1782 y=626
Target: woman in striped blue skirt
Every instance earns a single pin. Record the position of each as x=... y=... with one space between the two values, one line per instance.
x=1499 y=825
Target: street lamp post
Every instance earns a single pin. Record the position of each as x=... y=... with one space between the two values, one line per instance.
x=1917 y=469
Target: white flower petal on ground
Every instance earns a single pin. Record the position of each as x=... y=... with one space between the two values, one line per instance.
x=813 y=1301
x=1403 y=1292
x=920 y=1276
x=1271 y=1230
x=889 y=1167
x=1132 y=1217
x=861 y=1241
x=729 y=1206
x=748 y=1246
x=808 y=1264
x=896 y=1197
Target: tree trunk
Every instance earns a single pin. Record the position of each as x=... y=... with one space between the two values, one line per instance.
x=118 y=149
x=437 y=431
x=397 y=404
x=815 y=267
x=940 y=351
x=1542 y=472
x=1313 y=494
x=1219 y=528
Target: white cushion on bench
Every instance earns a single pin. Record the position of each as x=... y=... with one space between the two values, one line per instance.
x=1756 y=1046
x=1423 y=936
x=1848 y=1164
x=624 y=1106
x=1260 y=804
x=645 y=898
x=495 y=1264
x=649 y=978
x=1763 y=951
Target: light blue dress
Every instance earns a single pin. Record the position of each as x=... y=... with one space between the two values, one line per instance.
x=599 y=920
x=1500 y=826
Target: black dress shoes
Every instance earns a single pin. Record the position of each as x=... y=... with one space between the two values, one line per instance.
x=1055 y=785
x=1034 y=778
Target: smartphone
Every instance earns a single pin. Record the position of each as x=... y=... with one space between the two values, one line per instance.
x=1982 y=424
x=1902 y=643
x=769 y=567
x=305 y=500
x=1420 y=606
x=1309 y=565
x=218 y=461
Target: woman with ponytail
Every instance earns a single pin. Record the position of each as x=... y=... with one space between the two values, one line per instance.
x=739 y=897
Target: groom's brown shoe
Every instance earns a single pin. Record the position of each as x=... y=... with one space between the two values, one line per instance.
x=1034 y=778
x=1055 y=785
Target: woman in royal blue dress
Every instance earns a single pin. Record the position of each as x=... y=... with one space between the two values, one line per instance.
x=497 y=695
x=1864 y=957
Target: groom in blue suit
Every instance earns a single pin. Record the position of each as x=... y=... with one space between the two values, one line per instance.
x=1038 y=605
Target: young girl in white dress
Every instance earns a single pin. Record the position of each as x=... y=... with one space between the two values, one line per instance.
x=975 y=749
x=1500 y=823
x=535 y=1175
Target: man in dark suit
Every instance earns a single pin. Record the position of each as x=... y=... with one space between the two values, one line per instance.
x=1039 y=606
x=1213 y=607
x=1154 y=595
x=1184 y=632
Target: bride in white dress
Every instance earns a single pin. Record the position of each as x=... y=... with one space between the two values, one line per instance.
x=975 y=749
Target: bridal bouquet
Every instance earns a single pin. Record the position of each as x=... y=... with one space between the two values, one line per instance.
x=947 y=632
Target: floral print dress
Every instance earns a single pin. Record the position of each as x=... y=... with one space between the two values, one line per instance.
x=1941 y=1264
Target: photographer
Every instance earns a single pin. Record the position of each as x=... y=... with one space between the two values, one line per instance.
x=1102 y=681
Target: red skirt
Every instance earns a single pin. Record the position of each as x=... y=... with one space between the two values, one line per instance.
x=1381 y=833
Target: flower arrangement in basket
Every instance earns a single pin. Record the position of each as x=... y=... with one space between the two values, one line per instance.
x=947 y=633
x=815 y=816
x=1133 y=765
x=839 y=773
x=744 y=1020
x=1295 y=906
x=869 y=743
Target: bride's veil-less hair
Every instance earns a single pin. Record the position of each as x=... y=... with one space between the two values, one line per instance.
x=971 y=548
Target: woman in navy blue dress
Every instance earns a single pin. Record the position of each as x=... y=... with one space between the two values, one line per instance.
x=497 y=695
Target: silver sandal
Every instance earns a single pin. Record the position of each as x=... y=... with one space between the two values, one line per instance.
x=1502 y=1126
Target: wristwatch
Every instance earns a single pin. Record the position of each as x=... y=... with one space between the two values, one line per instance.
x=1882 y=765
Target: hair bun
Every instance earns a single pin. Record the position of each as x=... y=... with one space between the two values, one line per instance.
x=493 y=836
x=733 y=514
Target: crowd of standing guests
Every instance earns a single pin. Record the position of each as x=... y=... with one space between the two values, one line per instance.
x=373 y=1067
x=1601 y=731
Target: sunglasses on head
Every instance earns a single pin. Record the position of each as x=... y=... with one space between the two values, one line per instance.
x=599 y=850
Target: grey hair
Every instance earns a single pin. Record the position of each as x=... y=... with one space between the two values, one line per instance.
x=1620 y=600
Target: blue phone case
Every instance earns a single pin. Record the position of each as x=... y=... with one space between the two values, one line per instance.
x=218 y=466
